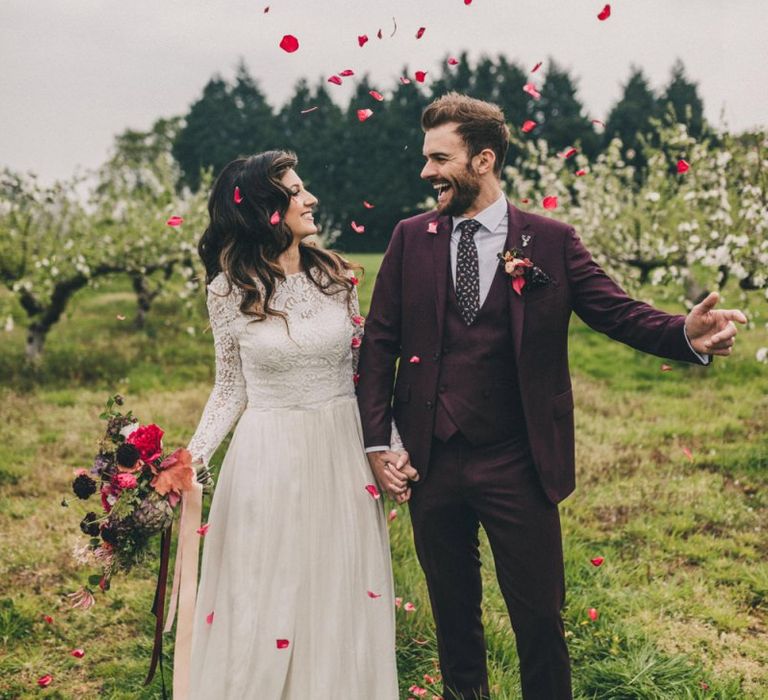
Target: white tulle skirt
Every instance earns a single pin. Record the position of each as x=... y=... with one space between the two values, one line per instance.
x=296 y=597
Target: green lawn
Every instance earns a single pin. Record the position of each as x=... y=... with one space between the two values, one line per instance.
x=682 y=596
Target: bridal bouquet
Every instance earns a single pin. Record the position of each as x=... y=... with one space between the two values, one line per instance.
x=137 y=487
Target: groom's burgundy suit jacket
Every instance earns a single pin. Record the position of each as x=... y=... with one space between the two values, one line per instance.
x=407 y=317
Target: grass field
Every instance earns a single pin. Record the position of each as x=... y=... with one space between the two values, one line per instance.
x=682 y=595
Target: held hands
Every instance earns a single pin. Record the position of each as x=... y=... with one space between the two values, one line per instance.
x=711 y=331
x=393 y=471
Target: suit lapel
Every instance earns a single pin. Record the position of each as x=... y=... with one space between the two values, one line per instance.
x=516 y=228
x=441 y=256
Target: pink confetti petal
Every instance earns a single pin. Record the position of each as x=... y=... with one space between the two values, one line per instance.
x=203 y=530
x=335 y=79
x=536 y=67
x=368 y=205
x=209 y=618
x=580 y=173
x=415 y=360
x=275 y=218
x=597 y=561
x=362 y=39
x=429 y=680
x=567 y=154
x=373 y=491
x=289 y=43
x=597 y=122
x=605 y=13
x=363 y=114
x=420 y=76
x=237 y=196
x=687 y=452
x=373 y=595
x=77 y=653
x=175 y=221
x=357 y=228
x=346 y=73
x=666 y=368
x=417 y=691
x=409 y=607
x=593 y=614
x=282 y=643
x=549 y=203
x=376 y=95
x=452 y=61
x=45 y=681
x=310 y=109
x=432 y=227
x=530 y=88
x=404 y=80
x=682 y=166
x=392 y=515
x=517 y=284
x=420 y=33
x=528 y=125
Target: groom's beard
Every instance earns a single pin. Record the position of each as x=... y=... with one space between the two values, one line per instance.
x=464 y=191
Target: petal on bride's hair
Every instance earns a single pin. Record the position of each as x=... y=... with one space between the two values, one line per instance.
x=282 y=643
x=373 y=491
x=289 y=43
x=237 y=196
x=605 y=13
x=275 y=218
x=549 y=202
x=335 y=79
x=536 y=67
x=362 y=39
x=420 y=76
x=376 y=95
x=346 y=73
x=528 y=125
x=420 y=33
x=363 y=114
x=357 y=228
x=371 y=594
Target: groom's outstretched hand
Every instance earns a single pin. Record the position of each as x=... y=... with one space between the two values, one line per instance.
x=393 y=470
x=712 y=331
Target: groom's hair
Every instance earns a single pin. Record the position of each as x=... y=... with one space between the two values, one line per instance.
x=480 y=124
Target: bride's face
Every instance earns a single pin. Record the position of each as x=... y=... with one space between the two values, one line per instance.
x=299 y=217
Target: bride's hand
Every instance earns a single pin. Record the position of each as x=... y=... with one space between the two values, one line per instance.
x=204 y=476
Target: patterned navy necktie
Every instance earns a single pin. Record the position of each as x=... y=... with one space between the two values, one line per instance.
x=468 y=272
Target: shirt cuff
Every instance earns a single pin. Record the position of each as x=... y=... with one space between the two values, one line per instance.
x=704 y=359
x=377 y=448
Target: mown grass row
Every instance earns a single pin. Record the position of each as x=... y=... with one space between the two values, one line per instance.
x=682 y=596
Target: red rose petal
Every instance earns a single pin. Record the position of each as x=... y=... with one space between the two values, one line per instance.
x=420 y=33
x=409 y=607
x=368 y=205
x=420 y=75
x=682 y=166
x=357 y=228
x=517 y=284
x=310 y=109
x=528 y=125
x=432 y=227
x=373 y=595
x=404 y=80
x=593 y=614
x=346 y=73
x=597 y=561
x=175 y=221
x=289 y=43
x=354 y=280
x=363 y=114
x=237 y=196
x=376 y=95
x=687 y=452
x=362 y=39
x=570 y=152
x=335 y=79
x=536 y=67
x=580 y=173
x=373 y=491
x=282 y=643
x=77 y=653
x=549 y=203
x=530 y=88
x=415 y=360
x=605 y=13
x=48 y=619
x=209 y=618
x=452 y=61
x=666 y=368
x=392 y=515
x=203 y=530
x=45 y=681
x=467 y=2
x=275 y=218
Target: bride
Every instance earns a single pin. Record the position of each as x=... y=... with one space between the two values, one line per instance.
x=296 y=595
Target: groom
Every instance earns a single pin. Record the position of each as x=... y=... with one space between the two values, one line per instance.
x=474 y=370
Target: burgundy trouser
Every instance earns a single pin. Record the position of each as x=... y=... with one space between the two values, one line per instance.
x=495 y=486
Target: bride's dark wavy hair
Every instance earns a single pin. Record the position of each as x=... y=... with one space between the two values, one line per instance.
x=241 y=242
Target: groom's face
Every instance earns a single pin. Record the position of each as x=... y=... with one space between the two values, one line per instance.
x=450 y=170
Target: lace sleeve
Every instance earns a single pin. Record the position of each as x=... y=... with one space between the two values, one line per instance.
x=358 y=325
x=228 y=398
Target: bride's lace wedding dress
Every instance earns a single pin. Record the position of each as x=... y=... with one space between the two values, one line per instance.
x=296 y=596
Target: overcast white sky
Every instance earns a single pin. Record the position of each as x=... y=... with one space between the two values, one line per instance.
x=77 y=72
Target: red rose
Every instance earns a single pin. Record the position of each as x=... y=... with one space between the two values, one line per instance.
x=148 y=440
x=126 y=481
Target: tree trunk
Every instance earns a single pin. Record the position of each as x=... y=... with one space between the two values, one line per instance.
x=145 y=295
x=36 y=335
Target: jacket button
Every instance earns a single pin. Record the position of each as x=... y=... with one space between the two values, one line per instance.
x=436 y=356
x=429 y=405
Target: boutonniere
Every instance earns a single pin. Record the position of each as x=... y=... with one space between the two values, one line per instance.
x=523 y=271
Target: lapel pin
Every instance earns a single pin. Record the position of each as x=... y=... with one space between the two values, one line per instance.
x=526 y=240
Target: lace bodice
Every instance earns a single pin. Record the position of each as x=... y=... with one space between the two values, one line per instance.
x=269 y=365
